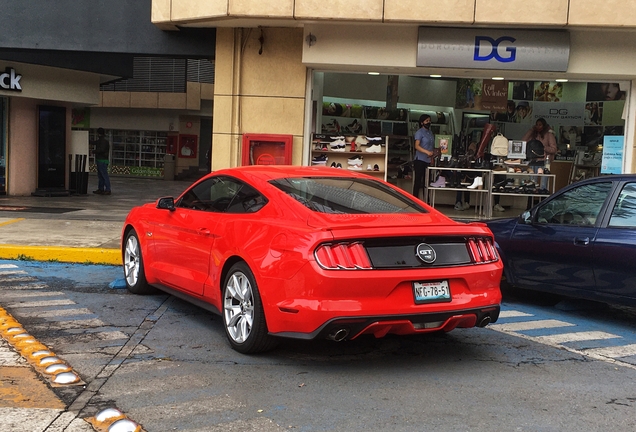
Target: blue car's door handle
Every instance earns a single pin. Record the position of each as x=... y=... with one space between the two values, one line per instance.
x=584 y=241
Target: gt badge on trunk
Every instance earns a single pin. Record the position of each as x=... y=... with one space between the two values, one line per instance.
x=425 y=253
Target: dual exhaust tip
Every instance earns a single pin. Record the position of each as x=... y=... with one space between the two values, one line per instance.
x=342 y=333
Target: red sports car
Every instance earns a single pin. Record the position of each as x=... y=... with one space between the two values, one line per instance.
x=312 y=252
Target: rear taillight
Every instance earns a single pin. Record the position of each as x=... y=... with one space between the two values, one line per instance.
x=342 y=256
x=481 y=250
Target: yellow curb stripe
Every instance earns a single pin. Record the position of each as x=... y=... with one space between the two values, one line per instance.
x=21 y=388
x=11 y=221
x=61 y=254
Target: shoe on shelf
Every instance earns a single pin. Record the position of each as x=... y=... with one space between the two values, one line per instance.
x=355 y=167
x=339 y=165
x=337 y=145
x=333 y=164
x=478 y=183
x=376 y=167
x=319 y=160
x=439 y=183
x=459 y=206
x=361 y=140
x=355 y=160
x=499 y=208
x=466 y=206
x=374 y=148
x=369 y=168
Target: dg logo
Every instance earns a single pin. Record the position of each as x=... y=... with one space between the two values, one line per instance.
x=487 y=48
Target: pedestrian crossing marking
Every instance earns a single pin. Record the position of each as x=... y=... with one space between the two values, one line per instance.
x=23 y=294
x=614 y=352
x=18 y=305
x=513 y=314
x=576 y=337
x=531 y=325
x=57 y=313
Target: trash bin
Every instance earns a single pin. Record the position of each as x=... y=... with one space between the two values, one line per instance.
x=168 y=167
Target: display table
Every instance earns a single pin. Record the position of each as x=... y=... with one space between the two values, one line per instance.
x=486 y=194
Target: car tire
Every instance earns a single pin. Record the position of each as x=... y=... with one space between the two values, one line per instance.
x=243 y=315
x=134 y=265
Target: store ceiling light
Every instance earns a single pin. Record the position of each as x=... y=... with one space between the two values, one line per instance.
x=373 y=73
x=497 y=78
x=435 y=76
x=561 y=80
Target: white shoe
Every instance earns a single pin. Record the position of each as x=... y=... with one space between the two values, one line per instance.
x=338 y=145
x=498 y=208
x=374 y=148
x=478 y=183
x=369 y=167
x=357 y=160
x=355 y=167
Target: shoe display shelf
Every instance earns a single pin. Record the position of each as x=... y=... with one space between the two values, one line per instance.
x=481 y=186
x=339 y=151
x=522 y=184
x=134 y=148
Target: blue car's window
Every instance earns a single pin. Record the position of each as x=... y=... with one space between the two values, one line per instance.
x=624 y=212
x=346 y=195
x=578 y=206
x=222 y=195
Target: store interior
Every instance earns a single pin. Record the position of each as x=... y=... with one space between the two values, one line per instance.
x=583 y=116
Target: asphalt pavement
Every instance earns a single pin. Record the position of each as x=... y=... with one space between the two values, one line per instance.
x=84 y=228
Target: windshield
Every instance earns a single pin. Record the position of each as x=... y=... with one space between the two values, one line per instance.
x=346 y=195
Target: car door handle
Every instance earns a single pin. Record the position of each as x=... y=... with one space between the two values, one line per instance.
x=204 y=231
x=584 y=241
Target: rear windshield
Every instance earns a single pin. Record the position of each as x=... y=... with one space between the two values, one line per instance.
x=346 y=195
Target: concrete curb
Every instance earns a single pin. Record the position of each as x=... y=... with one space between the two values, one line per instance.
x=62 y=254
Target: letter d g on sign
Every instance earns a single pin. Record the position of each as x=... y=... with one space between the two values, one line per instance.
x=507 y=56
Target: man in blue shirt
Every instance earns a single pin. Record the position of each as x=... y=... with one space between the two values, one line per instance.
x=424 y=145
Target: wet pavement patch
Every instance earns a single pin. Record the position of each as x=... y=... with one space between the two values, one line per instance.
x=51 y=210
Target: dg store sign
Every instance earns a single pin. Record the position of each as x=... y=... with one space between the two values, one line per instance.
x=493 y=49
x=487 y=48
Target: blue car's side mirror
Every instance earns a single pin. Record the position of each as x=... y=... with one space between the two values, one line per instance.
x=526 y=217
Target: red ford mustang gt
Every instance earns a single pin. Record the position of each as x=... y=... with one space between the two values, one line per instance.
x=312 y=252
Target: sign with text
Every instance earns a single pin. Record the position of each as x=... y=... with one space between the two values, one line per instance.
x=494 y=95
x=570 y=113
x=536 y=50
x=613 y=147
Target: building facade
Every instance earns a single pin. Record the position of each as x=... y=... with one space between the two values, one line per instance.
x=279 y=62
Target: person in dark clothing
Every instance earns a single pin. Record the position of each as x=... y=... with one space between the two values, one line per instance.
x=102 y=153
x=424 y=145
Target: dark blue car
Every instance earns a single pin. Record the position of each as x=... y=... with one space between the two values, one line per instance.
x=579 y=242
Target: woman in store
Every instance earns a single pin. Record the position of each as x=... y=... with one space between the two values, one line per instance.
x=424 y=145
x=541 y=132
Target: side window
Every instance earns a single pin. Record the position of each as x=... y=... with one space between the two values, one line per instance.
x=222 y=194
x=624 y=212
x=578 y=206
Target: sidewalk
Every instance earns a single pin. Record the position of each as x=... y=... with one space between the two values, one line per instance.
x=81 y=228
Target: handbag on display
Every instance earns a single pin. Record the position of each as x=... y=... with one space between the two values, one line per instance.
x=534 y=150
x=499 y=146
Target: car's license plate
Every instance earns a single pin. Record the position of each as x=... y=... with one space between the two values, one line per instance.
x=431 y=291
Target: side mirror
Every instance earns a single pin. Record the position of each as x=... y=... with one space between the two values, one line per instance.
x=526 y=218
x=166 y=203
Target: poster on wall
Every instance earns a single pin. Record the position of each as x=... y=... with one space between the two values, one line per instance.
x=548 y=91
x=612 y=162
x=605 y=92
x=469 y=93
x=494 y=95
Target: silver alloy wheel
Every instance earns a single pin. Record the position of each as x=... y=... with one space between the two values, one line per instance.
x=238 y=306
x=131 y=260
